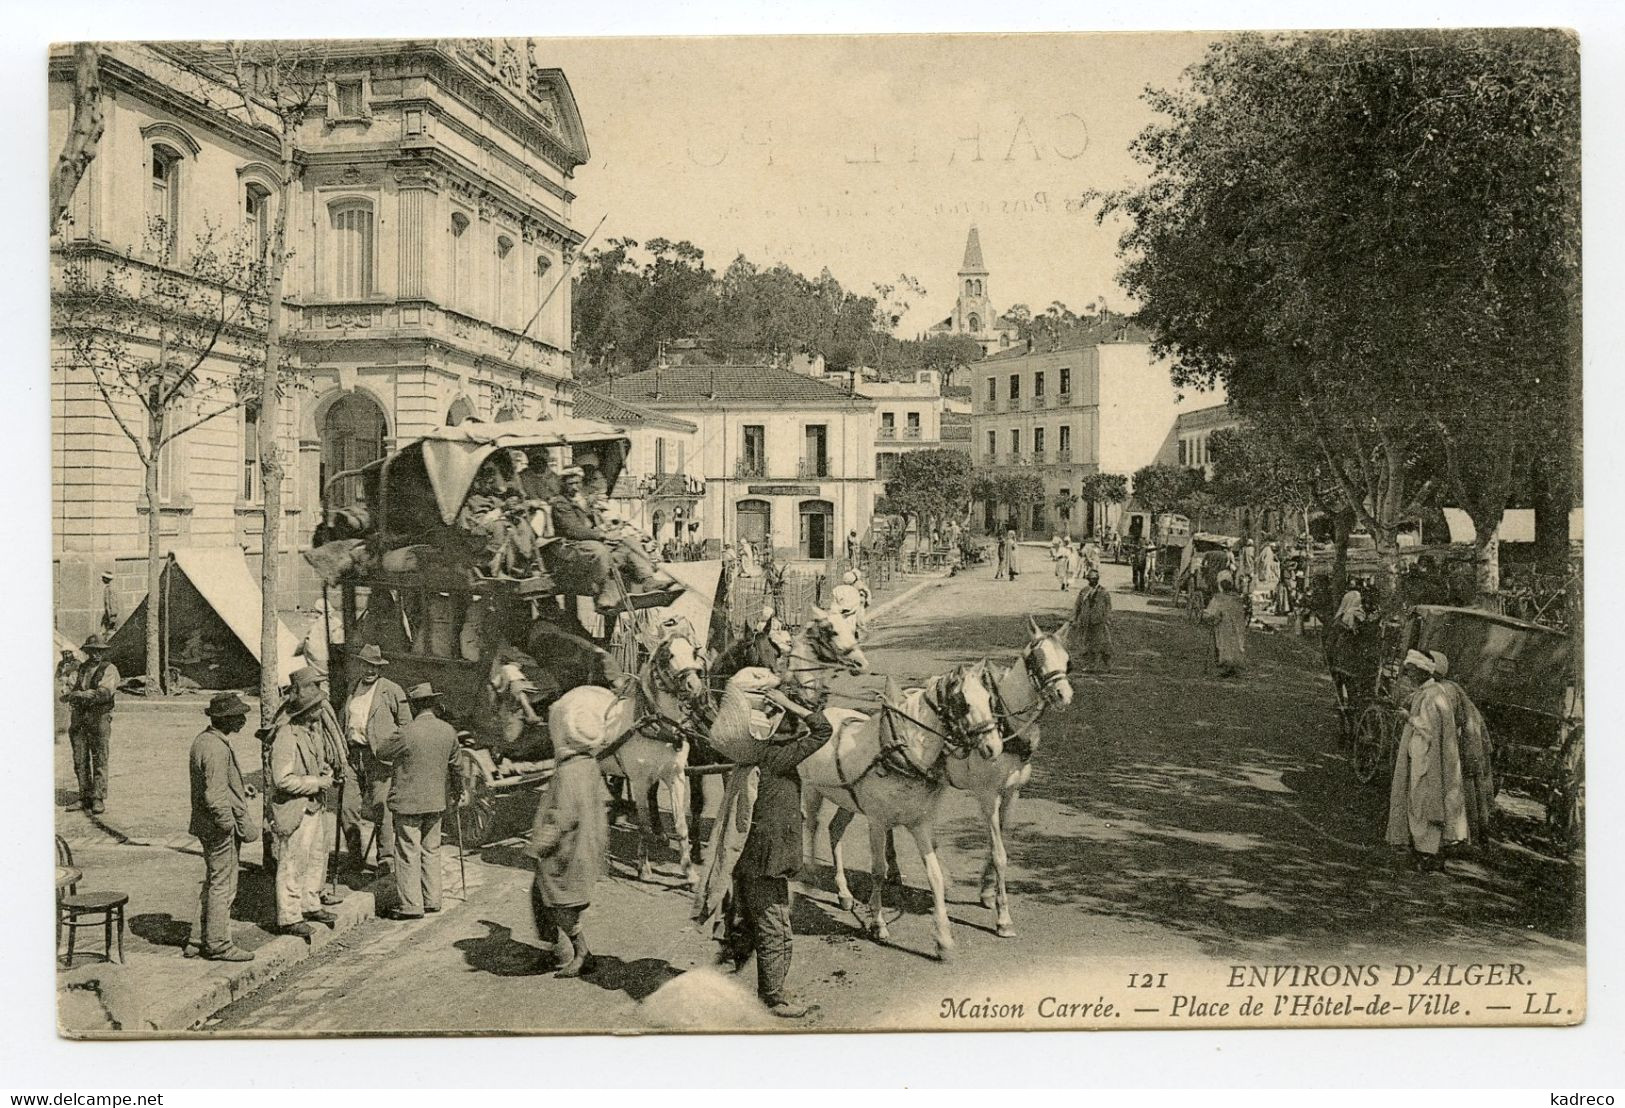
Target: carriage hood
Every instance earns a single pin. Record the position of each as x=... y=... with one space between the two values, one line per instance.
x=450 y=457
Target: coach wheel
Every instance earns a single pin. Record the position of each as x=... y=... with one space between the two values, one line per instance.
x=1373 y=738
x=476 y=813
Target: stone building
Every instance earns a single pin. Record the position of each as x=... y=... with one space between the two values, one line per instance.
x=908 y=417
x=973 y=314
x=658 y=491
x=787 y=458
x=1099 y=406
x=430 y=237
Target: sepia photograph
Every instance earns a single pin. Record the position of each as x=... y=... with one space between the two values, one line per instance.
x=816 y=533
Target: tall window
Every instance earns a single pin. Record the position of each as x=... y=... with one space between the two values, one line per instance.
x=913 y=428
x=753 y=449
x=888 y=425
x=992 y=391
x=1015 y=442
x=1015 y=386
x=817 y=529
x=257 y=216
x=1038 y=441
x=350 y=101
x=163 y=205
x=1038 y=383
x=992 y=444
x=1066 y=438
x=973 y=324
x=816 y=456
x=458 y=287
x=251 y=455
x=507 y=295
x=352 y=250
x=1066 y=380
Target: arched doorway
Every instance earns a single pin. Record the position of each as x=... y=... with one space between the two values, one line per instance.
x=353 y=432
x=817 y=530
x=753 y=523
x=460 y=411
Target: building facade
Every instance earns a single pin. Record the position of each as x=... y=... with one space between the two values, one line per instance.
x=908 y=417
x=429 y=238
x=1194 y=432
x=973 y=314
x=1101 y=407
x=787 y=459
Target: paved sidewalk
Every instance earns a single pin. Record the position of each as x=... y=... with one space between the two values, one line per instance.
x=140 y=846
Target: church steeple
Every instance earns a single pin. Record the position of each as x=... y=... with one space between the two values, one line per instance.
x=973 y=311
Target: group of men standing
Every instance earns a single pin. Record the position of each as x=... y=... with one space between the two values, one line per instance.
x=387 y=754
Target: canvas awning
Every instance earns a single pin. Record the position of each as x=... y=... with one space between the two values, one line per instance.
x=698 y=599
x=1517 y=525
x=222 y=577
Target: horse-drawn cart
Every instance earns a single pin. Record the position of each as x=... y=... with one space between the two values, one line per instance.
x=415 y=580
x=1519 y=674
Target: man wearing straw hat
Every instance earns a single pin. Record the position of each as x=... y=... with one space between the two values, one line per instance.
x=299 y=774
x=423 y=756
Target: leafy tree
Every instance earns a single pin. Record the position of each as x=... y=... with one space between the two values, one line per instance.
x=1160 y=489
x=1258 y=471
x=154 y=337
x=1372 y=236
x=931 y=485
x=1103 y=488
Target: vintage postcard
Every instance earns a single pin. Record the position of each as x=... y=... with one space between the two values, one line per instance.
x=941 y=532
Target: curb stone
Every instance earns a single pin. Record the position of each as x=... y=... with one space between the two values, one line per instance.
x=176 y=1000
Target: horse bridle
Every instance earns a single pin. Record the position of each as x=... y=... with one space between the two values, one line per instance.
x=1015 y=724
x=668 y=679
x=1044 y=681
x=952 y=708
x=825 y=656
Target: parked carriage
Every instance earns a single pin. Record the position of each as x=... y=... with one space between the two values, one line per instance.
x=413 y=581
x=1519 y=674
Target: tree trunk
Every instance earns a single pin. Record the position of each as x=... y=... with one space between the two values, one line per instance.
x=155 y=611
x=1340 y=555
x=1388 y=595
x=270 y=426
x=79 y=148
x=1487 y=567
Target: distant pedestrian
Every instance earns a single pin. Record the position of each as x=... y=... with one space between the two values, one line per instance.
x=90 y=723
x=1010 y=554
x=851 y=546
x=110 y=607
x=298 y=776
x=1227 y=617
x=424 y=755
x=1073 y=567
x=568 y=841
x=1091 y=554
x=1091 y=632
x=222 y=820
x=67 y=671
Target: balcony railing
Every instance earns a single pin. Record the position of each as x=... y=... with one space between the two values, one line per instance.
x=886 y=432
x=812 y=467
x=1064 y=397
x=911 y=432
x=1063 y=455
x=1038 y=457
x=750 y=467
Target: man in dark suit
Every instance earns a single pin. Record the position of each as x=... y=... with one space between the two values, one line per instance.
x=771 y=856
x=221 y=822
x=588 y=554
x=423 y=755
x=374 y=714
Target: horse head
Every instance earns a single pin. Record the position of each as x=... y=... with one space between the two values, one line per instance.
x=679 y=670
x=965 y=703
x=834 y=639
x=1045 y=659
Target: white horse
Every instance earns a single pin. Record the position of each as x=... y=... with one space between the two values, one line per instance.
x=888 y=768
x=1023 y=691
x=643 y=730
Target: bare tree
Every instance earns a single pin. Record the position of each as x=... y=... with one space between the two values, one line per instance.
x=172 y=342
x=273 y=86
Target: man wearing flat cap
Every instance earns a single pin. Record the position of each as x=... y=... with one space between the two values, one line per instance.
x=90 y=723
x=373 y=717
x=423 y=756
x=222 y=821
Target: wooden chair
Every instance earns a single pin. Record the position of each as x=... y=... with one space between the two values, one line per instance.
x=75 y=910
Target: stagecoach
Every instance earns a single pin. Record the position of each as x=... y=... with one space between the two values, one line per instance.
x=1519 y=674
x=410 y=579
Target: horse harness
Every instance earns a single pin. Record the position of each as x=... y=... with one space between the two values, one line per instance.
x=1026 y=720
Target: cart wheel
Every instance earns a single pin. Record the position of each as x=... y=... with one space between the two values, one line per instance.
x=1373 y=742
x=470 y=825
